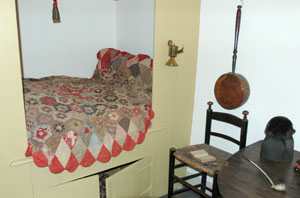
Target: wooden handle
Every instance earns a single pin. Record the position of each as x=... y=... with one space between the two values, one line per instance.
x=236 y=37
x=246 y=158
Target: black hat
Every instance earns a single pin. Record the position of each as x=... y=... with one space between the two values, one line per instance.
x=278 y=144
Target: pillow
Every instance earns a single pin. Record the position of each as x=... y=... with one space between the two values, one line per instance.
x=117 y=66
x=107 y=66
x=138 y=70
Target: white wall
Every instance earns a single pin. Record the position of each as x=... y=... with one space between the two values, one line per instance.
x=268 y=56
x=69 y=47
x=135 y=26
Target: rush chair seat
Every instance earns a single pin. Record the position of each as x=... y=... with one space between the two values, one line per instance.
x=206 y=169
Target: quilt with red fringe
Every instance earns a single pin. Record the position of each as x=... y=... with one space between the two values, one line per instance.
x=77 y=121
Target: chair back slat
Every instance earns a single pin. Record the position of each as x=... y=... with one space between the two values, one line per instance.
x=242 y=123
x=225 y=137
x=228 y=118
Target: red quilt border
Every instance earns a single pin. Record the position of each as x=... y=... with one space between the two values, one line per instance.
x=104 y=155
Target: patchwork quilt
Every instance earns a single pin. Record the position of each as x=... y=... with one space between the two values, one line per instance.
x=77 y=121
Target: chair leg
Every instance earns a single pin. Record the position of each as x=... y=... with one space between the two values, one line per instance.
x=171 y=172
x=203 y=181
x=215 y=188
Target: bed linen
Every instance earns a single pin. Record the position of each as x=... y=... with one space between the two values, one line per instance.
x=74 y=121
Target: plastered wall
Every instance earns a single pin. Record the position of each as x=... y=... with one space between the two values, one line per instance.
x=66 y=48
x=70 y=47
x=267 y=56
x=135 y=26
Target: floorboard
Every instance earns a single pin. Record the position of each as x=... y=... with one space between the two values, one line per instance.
x=188 y=194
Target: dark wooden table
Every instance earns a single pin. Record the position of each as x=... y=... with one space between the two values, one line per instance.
x=239 y=178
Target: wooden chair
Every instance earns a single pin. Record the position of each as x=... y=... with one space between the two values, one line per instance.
x=205 y=169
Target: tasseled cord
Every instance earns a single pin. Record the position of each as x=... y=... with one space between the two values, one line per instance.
x=55 y=13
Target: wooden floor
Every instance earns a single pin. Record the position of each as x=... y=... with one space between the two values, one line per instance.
x=189 y=194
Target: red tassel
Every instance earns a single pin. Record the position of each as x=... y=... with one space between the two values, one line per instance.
x=55 y=3
x=55 y=13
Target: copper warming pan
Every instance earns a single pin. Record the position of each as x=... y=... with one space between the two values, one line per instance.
x=231 y=89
